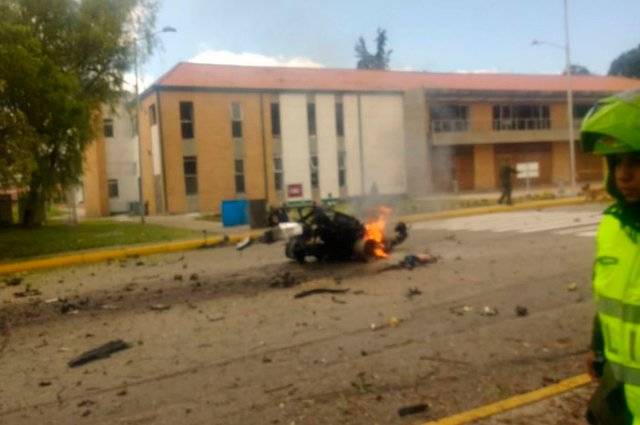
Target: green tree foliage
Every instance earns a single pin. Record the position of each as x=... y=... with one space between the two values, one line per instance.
x=627 y=64
x=577 y=69
x=60 y=60
x=379 y=60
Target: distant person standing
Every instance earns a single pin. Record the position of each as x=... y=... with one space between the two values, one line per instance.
x=505 y=183
x=611 y=129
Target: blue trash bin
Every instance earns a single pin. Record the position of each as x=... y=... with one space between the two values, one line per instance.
x=235 y=212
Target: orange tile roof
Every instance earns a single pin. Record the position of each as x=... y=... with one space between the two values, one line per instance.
x=186 y=74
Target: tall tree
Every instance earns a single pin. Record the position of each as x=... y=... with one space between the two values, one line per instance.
x=627 y=64
x=380 y=59
x=60 y=60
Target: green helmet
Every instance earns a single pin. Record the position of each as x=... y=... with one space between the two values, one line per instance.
x=613 y=125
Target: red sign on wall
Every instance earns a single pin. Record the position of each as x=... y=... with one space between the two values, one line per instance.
x=294 y=190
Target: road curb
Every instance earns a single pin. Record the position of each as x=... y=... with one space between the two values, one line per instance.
x=89 y=257
x=514 y=402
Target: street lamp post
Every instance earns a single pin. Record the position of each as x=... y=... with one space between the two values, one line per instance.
x=141 y=206
x=567 y=51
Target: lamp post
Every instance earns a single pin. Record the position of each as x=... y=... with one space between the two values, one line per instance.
x=567 y=52
x=141 y=206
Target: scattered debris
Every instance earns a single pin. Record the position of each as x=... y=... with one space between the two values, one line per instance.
x=243 y=244
x=28 y=292
x=361 y=383
x=122 y=393
x=86 y=413
x=521 y=311
x=86 y=403
x=489 y=311
x=409 y=262
x=51 y=300
x=363 y=353
x=412 y=292
x=266 y=360
x=572 y=286
x=160 y=307
x=67 y=307
x=338 y=301
x=177 y=277
x=13 y=281
x=320 y=291
x=101 y=352
x=285 y=280
x=109 y=307
x=215 y=318
x=193 y=277
x=139 y=263
x=394 y=321
x=44 y=383
x=461 y=310
x=413 y=409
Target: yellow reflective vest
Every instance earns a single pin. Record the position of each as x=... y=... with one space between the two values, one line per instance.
x=617 y=293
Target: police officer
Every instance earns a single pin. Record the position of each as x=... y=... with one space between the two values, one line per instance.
x=505 y=173
x=612 y=128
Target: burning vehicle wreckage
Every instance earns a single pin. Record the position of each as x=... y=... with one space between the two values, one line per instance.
x=328 y=235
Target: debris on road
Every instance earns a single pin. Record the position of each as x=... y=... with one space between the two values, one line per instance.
x=101 y=352
x=394 y=321
x=461 y=310
x=285 y=280
x=572 y=286
x=338 y=301
x=159 y=307
x=13 y=281
x=177 y=277
x=28 y=292
x=193 y=277
x=521 y=311
x=413 y=292
x=44 y=383
x=243 y=244
x=489 y=311
x=320 y=291
x=411 y=261
x=413 y=409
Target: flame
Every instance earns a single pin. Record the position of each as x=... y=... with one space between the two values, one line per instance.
x=374 y=233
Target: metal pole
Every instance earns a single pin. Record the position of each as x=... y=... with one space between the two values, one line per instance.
x=572 y=151
x=137 y=123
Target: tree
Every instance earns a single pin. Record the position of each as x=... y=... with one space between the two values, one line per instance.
x=577 y=69
x=379 y=60
x=627 y=64
x=60 y=60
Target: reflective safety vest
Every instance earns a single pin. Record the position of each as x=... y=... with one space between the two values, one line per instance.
x=616 y=287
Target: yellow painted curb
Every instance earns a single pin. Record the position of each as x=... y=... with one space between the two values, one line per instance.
x=465 y=212
x=96 y=256
x=513 y=402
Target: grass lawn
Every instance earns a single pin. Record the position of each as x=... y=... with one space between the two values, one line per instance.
x=54 y=238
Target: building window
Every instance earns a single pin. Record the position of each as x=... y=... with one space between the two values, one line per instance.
x=275 y=119
x=239 y=176
x=153 y=119
x=521 y=117
x=278 y=175
x=315 y=182
x=236 y=120
x=190 y=165
x=342 y=168
x=339 y=119
x=449 y=118
x=113 y=188
x=107 y=127
x=186 y=119
x=311 y=118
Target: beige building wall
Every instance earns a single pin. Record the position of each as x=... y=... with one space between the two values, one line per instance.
x=352 y=144
x=327 y=145
x=417 y=151
x=295 y=144
x=384 y=143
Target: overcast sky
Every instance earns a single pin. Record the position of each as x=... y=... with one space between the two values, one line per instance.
x=427 y=35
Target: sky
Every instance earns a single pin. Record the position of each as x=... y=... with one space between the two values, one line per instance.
x=427 y=35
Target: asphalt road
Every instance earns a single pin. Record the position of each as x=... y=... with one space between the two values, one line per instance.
x=217 y=336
